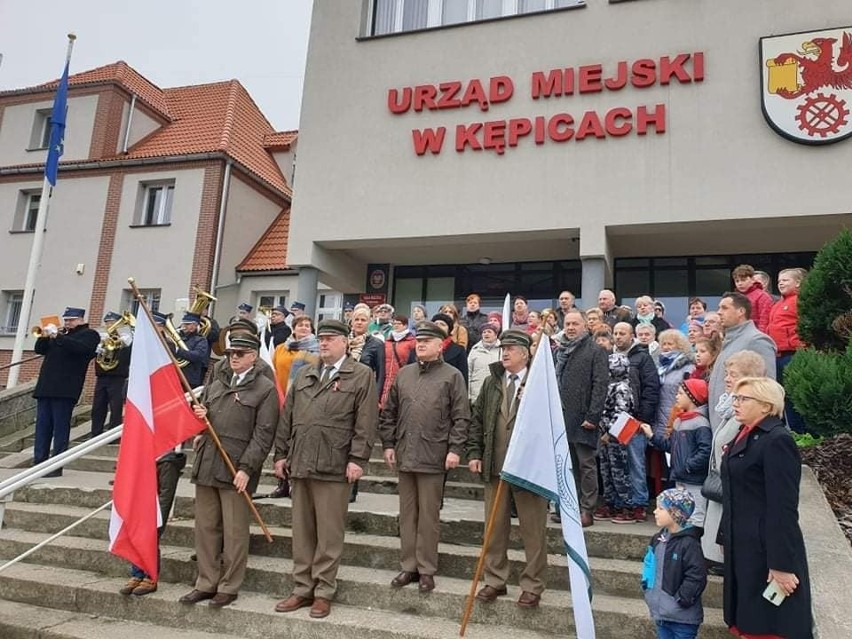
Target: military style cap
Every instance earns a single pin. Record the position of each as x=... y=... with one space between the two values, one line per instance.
x=246 y=307
x=242 y=339
x=332 y=327
x=73 y=312
x=513 y=337
x=110 y=317
x=191 y=318
x=159 y=318
x=243 y=324
x=430 y=330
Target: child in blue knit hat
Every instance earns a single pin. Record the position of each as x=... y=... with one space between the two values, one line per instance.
x=674 y=574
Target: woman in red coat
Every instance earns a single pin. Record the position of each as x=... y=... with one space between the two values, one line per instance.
x=783 y=329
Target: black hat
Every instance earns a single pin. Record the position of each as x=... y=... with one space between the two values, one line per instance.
x=513 y=337
x=297 y=306
x=159 y=318
x=245 y=307
x=244 y=339
x=332 y=327
x=429 y=330
x=111 y=317
x=243 y=324
x=348 y=306
x=192 y=318
x=72 y=312
x=443 y=317
x=281 y=309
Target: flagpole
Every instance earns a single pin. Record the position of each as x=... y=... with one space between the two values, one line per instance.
x=138 y=295
x=35 y=258
x=480 y=565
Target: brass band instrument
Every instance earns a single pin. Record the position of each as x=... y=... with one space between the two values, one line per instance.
x=38 y=332
x=202 y=301
x=174 y=337
x=107 y=357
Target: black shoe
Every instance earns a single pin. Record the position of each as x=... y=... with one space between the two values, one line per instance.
x=282 y=490
x=53 y=473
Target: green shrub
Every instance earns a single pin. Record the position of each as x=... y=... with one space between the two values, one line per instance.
x=819 y=378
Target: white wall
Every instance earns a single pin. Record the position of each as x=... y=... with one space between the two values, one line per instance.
x=17 y=126
x=358 y=177
x=72 y=237
x=159 y=256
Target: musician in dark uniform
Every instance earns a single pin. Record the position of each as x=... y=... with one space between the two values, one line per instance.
x=67 y=353
x=277 y=332
x=197 y=350
x=111 y=384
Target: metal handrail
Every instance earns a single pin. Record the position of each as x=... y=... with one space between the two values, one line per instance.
x=19 y=362
x=29 y=475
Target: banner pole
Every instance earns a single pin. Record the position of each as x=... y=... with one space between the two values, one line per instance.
x=195 y=402
x=480 y=565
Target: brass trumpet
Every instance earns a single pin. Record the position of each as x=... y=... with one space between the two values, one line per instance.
x=38 y=332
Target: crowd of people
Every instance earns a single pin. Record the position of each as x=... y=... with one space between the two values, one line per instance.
x=712 y=449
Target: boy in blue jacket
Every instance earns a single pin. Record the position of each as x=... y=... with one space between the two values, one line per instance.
x=674 y=574
x=689 y=441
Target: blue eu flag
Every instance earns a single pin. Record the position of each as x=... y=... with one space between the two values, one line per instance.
x=57 y=129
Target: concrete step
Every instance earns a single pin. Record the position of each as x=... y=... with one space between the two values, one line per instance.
x=358 y=587
x=252 y=616
x=23 y=621
x=387 y=485
x=613 y=577
x=374 y=514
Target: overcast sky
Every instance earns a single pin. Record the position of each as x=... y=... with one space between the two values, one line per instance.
x=261 y=43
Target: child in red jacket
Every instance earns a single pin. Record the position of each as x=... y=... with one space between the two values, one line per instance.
x=783 y=329
x=761 y=301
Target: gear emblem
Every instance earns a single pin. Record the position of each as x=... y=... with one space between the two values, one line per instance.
x=822 y=115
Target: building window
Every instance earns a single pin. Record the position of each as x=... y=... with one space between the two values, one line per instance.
x=26 y=212
x=12 y=303
x=154 y=207
x=399 y=16
x=329 y=306
x=150 y=295
x=40 y=136
x=270 y=300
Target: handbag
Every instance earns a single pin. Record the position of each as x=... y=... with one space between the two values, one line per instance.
x=712 y=486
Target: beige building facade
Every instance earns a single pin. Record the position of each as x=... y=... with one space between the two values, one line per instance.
x=589 y=144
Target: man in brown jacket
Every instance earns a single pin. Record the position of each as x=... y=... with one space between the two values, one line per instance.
x=242 y=405
x=423 y=430
x=491 y=428
x=324 y=439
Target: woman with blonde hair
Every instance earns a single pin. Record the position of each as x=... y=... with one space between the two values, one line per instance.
x=738 y=366
x=594 y=319
x=763 y=544
x=459 y=334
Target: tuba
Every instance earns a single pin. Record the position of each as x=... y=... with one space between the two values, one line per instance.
x=202 y=301
x=107 y=357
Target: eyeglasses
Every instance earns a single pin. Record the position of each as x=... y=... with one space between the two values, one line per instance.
x=738 y=399
x=236 y=354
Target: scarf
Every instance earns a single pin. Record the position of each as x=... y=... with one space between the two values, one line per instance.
x=725 y=407
x=519 y=319
x=356 y=345
x=646 y=319
x=446 y=344
x=565 y=347
x=669 y=362
x=309 y=343
x=398 y=336
x=700 y=372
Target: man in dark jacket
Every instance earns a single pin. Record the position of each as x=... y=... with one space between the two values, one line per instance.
x=473 y=319
x=491 y=428
x=242 y=405
x=277 y=332
x=324 y=440
x=582 y=372
x=451 y=353
x=566 y=303
x=197 y=351
x=111 y=384
x=646 y=389
x=423 y=430
x=67 y=353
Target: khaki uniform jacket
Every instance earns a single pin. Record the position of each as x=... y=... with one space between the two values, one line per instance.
x=244 y=418
x=486 y=411
x=426 y=416
x=324 y=428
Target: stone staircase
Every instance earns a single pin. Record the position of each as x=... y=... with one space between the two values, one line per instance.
x=70 y=588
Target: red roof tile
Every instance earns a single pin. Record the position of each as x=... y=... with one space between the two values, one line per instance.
x=125 y=76
x=270 y=251
x=280 y=140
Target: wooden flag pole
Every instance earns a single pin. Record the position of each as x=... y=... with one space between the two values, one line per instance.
x=195 y=402
x=480 y=565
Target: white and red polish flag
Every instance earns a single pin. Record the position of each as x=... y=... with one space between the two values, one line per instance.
x=157 y=418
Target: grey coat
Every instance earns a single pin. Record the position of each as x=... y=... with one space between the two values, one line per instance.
x=583 y=378
x=744 y=337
